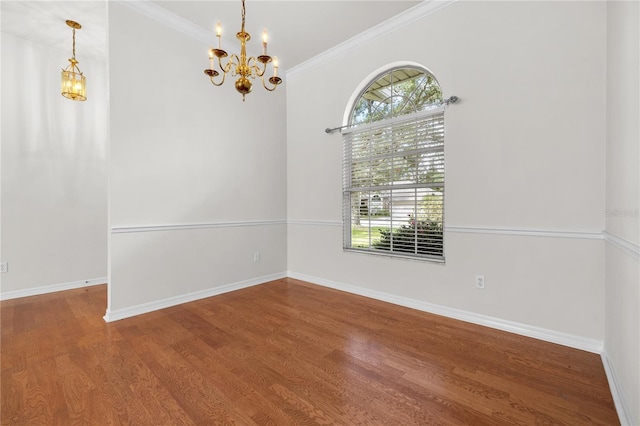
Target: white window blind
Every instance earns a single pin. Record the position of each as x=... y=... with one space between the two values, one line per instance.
x=393 y=186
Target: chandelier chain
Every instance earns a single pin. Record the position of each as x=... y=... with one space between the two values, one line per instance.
x=74 y=43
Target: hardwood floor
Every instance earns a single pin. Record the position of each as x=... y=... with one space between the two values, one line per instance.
x=282 y=353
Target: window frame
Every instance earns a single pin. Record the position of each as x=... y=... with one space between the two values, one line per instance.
x=416 y=226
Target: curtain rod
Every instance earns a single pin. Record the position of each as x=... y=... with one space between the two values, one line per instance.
x=449 y=100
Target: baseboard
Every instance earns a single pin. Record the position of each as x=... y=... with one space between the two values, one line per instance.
x=624 y=414
x=189 y=297
x=590 y=345
x=565 y=339
x=36 y=291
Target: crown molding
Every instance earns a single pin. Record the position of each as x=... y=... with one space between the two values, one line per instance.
x=425 y=8
x=169 y=19
x=178 y=23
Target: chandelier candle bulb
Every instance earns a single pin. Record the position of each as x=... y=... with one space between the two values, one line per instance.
x=264 y=41
x=219 y=35
x=275 y=66
x=211 y=58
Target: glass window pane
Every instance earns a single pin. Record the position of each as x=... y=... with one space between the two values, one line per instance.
x=394 y=173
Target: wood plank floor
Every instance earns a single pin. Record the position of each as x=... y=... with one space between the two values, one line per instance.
x=283 y=353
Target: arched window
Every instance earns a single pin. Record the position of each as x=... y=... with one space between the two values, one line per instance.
x=393 y=193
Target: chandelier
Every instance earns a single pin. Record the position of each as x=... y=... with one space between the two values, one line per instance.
x=73 y=82
x=243 y=67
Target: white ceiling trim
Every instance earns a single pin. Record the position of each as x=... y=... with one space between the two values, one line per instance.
x=178 y=23
x=427 y=7
x=169 y=19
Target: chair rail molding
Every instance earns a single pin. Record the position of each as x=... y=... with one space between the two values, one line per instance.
x=188 y=226
x=632 y=249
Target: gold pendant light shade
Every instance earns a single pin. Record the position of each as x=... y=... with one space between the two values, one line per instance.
x=73 y=82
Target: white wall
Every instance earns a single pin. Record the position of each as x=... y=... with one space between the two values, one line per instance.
x=54 y=179
x=524 y=151
x=622 y=343
x=206 y=171
x=201 y=181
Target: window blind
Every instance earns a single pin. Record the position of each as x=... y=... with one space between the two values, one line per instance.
x=393 y=186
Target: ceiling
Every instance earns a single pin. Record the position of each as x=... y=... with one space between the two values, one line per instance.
x=298 y=30
x=44 y=22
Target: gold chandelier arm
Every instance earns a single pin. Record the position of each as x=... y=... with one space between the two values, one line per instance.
x=273 y=80
x=233 y=64
x=233 y=59
x=253 y=64
x=212 y=74
x=224 y=69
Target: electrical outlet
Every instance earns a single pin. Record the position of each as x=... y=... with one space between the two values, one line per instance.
x=4 y=267
x=256 y=256
x=480 y=281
